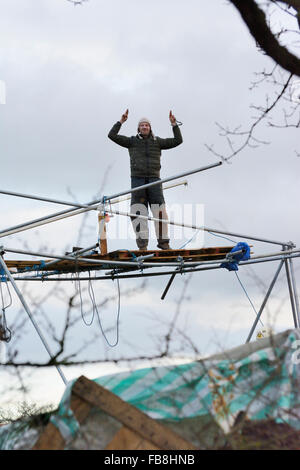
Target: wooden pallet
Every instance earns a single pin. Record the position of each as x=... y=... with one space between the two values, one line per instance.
x=161 y=256
x=138 y=431
x=171 y=255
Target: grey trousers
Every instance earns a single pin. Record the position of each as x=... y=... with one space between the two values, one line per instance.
x=140 y=201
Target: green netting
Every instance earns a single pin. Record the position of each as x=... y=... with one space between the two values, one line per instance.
x=259 y=378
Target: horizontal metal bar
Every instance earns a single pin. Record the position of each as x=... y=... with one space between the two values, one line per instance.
x=184 y=269
x=165 y=186
x=75 y=255
x=69 y=203
x=43 y=199
x=67 y=258
x=192 y=226
x=155 y=219
x=249 y=237
x=134 y=263
x=164 y=180
x=94 y=204
x=159 y=273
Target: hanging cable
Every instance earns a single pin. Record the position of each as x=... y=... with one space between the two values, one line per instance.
x=221 y=236
x=95 y=309
x=118 y=317
x=237 y=276
x=247 y=296
x=9 y=294
x=78 y=288
x=191 y=239
x=5 y=332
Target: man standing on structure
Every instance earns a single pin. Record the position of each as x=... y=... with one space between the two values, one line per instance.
x=145 y=153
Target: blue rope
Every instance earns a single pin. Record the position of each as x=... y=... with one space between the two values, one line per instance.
x=133 y=256
x=196 y=233
x=35 y=267
x=222 y=236
x=211 y=233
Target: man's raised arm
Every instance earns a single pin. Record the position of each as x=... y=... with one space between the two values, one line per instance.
x=114 y=132
x=171 y=142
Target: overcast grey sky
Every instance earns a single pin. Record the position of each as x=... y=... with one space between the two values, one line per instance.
x=70 y=72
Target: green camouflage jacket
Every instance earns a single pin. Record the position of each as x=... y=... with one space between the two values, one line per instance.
x=145 y=153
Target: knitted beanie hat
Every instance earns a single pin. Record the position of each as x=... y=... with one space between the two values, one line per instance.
x=144 y=120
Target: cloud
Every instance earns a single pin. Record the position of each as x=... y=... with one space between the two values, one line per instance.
x=71 y=72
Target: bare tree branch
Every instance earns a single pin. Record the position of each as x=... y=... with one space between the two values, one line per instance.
x=257 y=24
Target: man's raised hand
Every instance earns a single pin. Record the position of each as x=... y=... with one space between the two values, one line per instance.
x=172 y=119
x=124 y=117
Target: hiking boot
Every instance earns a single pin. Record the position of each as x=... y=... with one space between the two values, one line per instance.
x=74 y=249
x=142 y=246
x=164 y=245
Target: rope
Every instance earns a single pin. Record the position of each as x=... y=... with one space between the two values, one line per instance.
x=78 y=288
x=118 y=318
x=211 y=233
x=189 y=241
x=247 y=296
x=95 y=309
x=133 y=256
x=222 y=236
x=237 y=276
x=5 y=332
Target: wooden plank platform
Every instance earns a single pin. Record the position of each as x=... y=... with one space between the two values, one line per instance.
x=139 y=431
x=161 y=256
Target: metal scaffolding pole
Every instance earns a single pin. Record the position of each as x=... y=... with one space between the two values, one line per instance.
x=177 y=270
x=74 y=255
x=23 y=302
x=94 y=204
x=43 y=199
x=68 y=203
x=131 y=263
x=265 y=300
x=291 y=292
x=169 y=283
x=296 y=298
x=183 y=269
x=69 y=258
x=195 y=227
